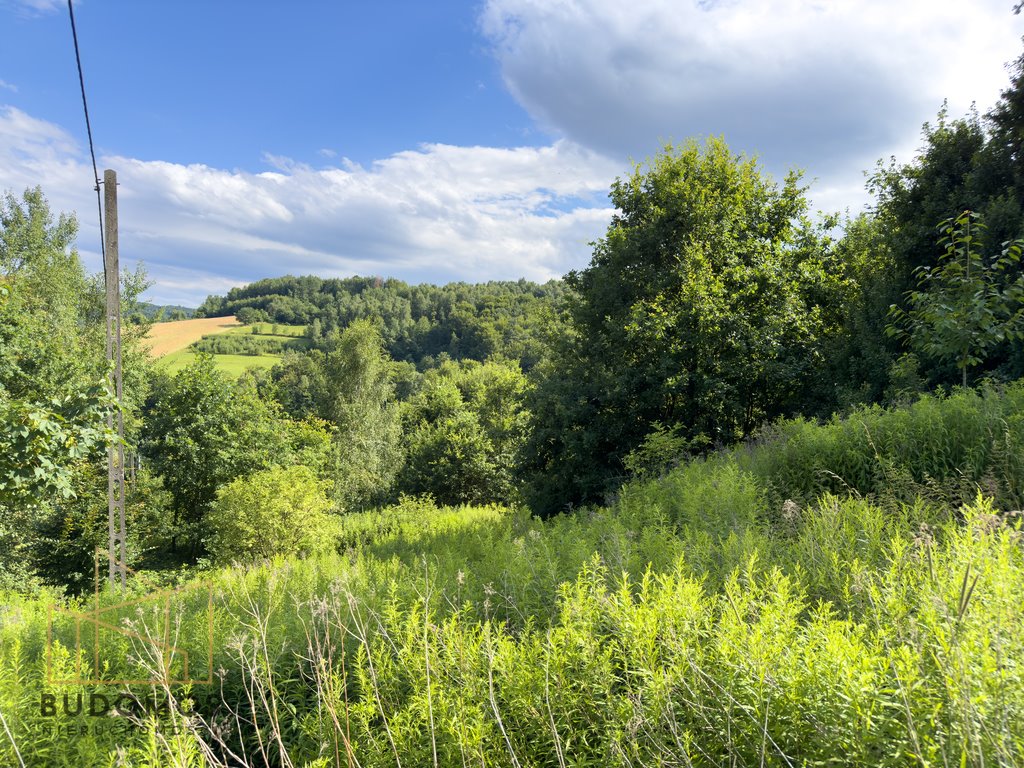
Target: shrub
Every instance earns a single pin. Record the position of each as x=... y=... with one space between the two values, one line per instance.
x=279 y=511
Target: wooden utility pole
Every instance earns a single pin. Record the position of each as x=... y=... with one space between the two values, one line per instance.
x=115 y=420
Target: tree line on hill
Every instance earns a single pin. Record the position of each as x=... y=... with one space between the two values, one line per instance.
x=160 y=313
x=418 y=323
x=715 y=304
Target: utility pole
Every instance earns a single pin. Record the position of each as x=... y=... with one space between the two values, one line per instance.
x=115 y=420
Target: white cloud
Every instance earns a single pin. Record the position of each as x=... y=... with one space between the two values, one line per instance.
x=435 y=213
x=38 y=7
x=827 y=86
x=5 y=86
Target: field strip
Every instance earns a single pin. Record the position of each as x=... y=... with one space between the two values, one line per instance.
x=164 y=338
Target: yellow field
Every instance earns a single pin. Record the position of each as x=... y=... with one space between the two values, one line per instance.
x=165 y=338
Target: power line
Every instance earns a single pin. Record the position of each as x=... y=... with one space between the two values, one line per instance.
x=88 y=130
x=111 y=282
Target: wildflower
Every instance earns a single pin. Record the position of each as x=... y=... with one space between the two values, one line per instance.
x=790 y=511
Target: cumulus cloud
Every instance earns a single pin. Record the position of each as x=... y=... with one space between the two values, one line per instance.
x=435 y=213
x=5 y=86
x=827 y=86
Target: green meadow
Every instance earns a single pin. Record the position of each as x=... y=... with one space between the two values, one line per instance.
x=235 y=364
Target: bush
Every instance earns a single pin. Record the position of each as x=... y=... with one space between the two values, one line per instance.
x=279 y=511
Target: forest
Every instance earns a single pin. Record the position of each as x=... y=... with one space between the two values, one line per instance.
x=745 y=490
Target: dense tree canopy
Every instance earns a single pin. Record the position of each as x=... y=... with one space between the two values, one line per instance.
x=706 y=306
x=54 y=396
x=967 y=164
x=418 y=323
x=465 y=425
x=203 y=430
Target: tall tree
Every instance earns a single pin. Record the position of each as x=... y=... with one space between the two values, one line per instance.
x=358 y=398
x=706 y=307
x=1006 y=121
x=464 y=427
x=965 y=164
x=964 y=307
x=53 y=393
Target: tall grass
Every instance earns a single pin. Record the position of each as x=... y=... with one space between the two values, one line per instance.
x=784 y=604
x=951 y=445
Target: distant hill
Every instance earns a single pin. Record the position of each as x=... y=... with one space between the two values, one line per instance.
x=170 y=311
x=419 y=323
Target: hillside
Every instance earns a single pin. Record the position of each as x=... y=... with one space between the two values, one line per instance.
x=169 y=337
x=817 y=598
x=419 y=323
x=745 y=490
x=236 y=348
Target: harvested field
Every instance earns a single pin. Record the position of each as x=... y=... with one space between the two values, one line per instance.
x=165 y=338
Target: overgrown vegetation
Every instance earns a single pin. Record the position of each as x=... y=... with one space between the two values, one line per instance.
x=696 y=620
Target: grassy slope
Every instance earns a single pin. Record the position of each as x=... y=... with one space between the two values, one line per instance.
x=234 y=365
x=732 y=612
x=170 y=337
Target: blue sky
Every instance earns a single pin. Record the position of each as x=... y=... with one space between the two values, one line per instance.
x=453 y=140
x=222 y=83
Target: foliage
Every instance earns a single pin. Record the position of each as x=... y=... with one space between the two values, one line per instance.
x=706 y=307
x=51 y=334
x=464 y=427
x=962 y=309
x=945 y=447
x=965 y=164
x=277 y=511
x=837 y=593
x=250 y=315
x=254 y=344
x=54 y=395
x=692 y=623
x=860 y=358
x=1005 y=120
x=358 y=400
x=68 y=531
x=203 y=430
x=42 y=445
x=661 y=449
x=164 y=313
x=418 y=323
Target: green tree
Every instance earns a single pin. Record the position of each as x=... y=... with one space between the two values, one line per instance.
x=707 y=306
x=53 y=391
x=43 y=444
x=51 y=335
x=972 y=164
x=358 y=399
x=278 y=511
x=861 y=357
x=1006 y=124
x=202 y=431
x=962 y=308
x=464 y=428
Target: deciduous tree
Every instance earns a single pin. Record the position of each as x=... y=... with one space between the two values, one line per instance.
x=706 y=307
